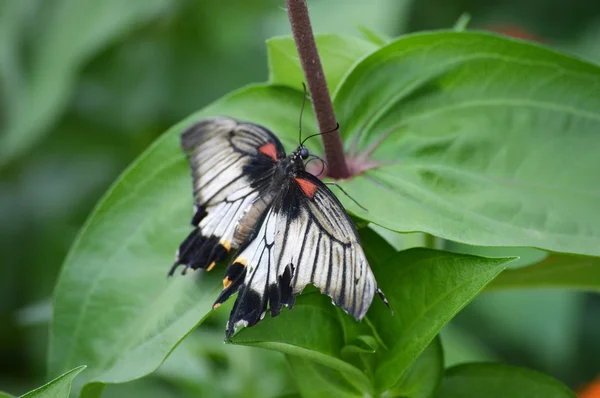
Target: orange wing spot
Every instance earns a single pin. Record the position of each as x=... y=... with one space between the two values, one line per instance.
x=226 y=282
x=269 y=150
x=211 y=266
x=307 y=187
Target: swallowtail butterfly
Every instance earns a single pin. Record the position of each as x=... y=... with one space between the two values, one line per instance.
x=288 y=228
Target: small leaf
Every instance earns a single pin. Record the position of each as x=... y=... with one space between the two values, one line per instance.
x=422 y=378
x=462 y=22
x=338 y=54
x=360 y=345
x=426 y=288
x=114 y=308
x=57 y=388
x=555 y=271
x=499 y=381
x=469 y=134
x=311 y=330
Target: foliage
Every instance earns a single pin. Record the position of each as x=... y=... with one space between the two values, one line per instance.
x=485 y=141
x=458 y=152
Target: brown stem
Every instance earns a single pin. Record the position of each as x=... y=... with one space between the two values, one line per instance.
x=317 y=86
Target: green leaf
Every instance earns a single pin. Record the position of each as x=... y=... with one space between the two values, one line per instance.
x=426 y=288
x=114 y=308
x=555 y=271
x=57 y=388
x=499 y=381
x=316 y=380
x=338 y=54
x=6 y=395
x=424 y=375
x=312 y=330
x=484 y=140
x=73 y=32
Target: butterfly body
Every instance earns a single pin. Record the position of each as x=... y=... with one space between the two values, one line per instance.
x=288 y=228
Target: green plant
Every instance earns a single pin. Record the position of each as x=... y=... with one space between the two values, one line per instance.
x=484 y=140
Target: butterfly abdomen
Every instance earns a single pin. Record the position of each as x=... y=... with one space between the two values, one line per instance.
x=246 y=226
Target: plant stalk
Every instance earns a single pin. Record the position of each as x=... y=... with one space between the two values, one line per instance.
x=317 y=86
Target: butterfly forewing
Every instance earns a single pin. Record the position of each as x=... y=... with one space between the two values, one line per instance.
x=232 y=164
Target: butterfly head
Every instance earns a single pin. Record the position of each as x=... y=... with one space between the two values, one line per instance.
x=303 y=152
x=300 y=154
x=298 y=157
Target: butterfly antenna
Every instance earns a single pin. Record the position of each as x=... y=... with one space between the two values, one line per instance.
x=346 y=193
x=301 y=113
x=337 y=126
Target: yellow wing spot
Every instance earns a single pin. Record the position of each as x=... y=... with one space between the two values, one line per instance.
x=211 y=266
x=217 y=305
x=226 y=244
x=242 y=261
x=226 y=282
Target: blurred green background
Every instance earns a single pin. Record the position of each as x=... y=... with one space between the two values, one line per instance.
x=87 y=85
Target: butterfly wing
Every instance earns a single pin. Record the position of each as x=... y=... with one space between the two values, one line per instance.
x=305 y=237
x=232 y=166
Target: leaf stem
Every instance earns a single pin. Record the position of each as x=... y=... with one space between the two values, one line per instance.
x=317 y=86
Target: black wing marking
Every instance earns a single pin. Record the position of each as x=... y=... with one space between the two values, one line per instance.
x=306 y=237
x=232 y=166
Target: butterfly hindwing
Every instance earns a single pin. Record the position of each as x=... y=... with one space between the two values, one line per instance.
x=305 y=236
x=232 y=165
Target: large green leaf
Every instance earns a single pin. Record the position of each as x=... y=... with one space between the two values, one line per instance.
x=114 y=308
x=555 y=271
x=57 y=388
x=499 y=381
x=485 y=140
x=70 y=34
x=426 y=288
x=337 y=53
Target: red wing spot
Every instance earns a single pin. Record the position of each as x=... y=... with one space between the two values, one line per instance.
x=269 y=150
x=307 y=187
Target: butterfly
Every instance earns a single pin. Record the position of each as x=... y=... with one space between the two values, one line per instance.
x=287 y=226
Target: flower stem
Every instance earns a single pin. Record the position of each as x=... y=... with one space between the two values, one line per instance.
x=317 y=86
